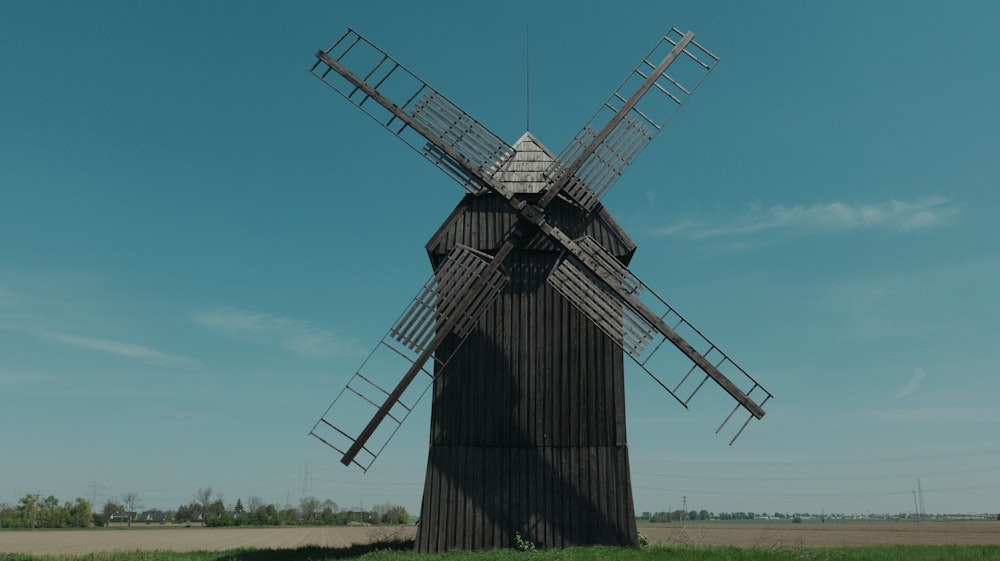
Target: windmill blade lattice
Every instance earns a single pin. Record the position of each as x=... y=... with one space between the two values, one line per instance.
x=412 y=110
x=640 y=322
x=637 y=110
x=375 y=402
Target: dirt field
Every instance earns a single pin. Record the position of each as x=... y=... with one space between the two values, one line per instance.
x=64 y=542
x=59 y=542
x=830 y=534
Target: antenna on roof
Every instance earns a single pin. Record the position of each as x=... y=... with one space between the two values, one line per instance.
x=527 y=80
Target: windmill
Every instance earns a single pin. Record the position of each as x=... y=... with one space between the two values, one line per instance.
x=522 y=330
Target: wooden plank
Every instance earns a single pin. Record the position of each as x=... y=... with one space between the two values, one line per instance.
x=550 y=373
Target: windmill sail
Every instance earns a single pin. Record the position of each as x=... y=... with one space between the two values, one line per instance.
x=412 y=110
x=636 y=111
x=375 y=402
x=640 y=322
x=528 y=422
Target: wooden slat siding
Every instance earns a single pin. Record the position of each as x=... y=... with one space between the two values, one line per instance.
x=565 y=501
x=474 y=500
x=463 y=486
x=430 y=510
x=493 y=499
x=580 y=358
x=528 y=425
x=487 y=218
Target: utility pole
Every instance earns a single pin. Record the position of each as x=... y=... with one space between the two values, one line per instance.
x=305 y=479
x=34 y=511
x=920 y=495
x=93 y=494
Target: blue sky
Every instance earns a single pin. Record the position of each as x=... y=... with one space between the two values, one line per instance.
x=200 y=242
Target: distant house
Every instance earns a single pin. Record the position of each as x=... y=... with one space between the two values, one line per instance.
x=123 y=517
x=152 y=516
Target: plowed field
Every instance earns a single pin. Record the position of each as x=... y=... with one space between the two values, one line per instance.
x=59 y=542
x=830 y=534
x=63 y=542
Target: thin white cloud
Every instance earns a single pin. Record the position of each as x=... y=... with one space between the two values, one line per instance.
x=119 y=348
x=300 y=337
x=893 y=215
x=913 y=384
x=8 y=377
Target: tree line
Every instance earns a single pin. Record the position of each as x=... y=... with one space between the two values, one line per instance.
x=206 y=509
x=33 y=511
x=692 y=515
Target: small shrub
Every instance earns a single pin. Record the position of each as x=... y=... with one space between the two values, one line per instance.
x=643 y=540
x=522 y=544
x=797 y=520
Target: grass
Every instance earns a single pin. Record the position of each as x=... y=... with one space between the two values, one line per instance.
x=402 y=551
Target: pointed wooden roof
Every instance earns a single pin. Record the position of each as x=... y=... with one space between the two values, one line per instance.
x=482 y=221
x=523 y=172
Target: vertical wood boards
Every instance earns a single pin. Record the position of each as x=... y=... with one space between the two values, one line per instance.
x=528 y=419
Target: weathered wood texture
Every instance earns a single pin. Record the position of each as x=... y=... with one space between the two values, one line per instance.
x=528 y=419
x=482 y=222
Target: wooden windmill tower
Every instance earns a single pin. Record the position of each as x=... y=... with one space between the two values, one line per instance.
x=522 y=330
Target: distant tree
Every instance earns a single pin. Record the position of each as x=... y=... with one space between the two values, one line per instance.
x=204 y=498
x=50 y=514
x=309 y=507
x=395 y=515
x=217 y=515
x=130 y=501
x=217 y=508
x=328 y=517
x=27 y=510
x=81 y=514
x=703 y=515
x=32 y=511
x=660 y=517
x=254 y=503
x=268 y=515
x=238 y=509
x=328 y=504
x=8 y=518
x=647 y=515
x=289 y=516
x=186 y=513
x=111 y=507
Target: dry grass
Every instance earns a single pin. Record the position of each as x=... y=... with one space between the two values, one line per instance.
x=74 y=542
x=760 y=536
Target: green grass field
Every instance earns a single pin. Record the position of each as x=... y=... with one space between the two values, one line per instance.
x=401 y=552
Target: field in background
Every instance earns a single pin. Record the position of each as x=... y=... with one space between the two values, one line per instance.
x=74 y=542
x=830 y=534
x=759 y=535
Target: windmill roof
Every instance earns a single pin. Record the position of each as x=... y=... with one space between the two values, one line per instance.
x=523 y=173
